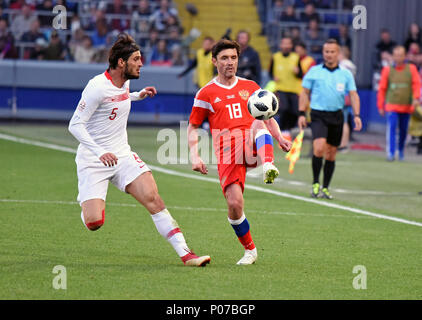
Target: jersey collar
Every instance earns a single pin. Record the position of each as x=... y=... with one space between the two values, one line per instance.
x=226 y=87
x=331 y=69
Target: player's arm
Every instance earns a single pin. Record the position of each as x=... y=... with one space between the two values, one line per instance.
x=144 y=93
x=355 y=100
x=77 y=125
x=304 y=99
x=197 y=163
x=275 y=131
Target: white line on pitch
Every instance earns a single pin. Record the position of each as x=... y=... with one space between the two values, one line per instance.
x=249 y=186
x=133 y=205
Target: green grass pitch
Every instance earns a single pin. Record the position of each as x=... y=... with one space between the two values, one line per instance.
x=306 y=251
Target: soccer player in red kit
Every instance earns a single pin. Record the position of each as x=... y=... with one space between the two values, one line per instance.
x=239 y=140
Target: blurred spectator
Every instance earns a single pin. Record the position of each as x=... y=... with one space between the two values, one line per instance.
x=306 y=61
x=75 y=23
x=117 y=7
x=37 y=53
x=176 y=55
x=289 y=15
x=99 y=37
x=384 y=49
x=2 y=14
x=276 y=12
x=414 y=35
x=19 y=4
x=160 y=56
x=22 y=22
x=202 y=63
x=46 y=20
x=173 y=38
x=302 y=3
x=31 y=37
x=160 y=16
x=398 y=95
x=286 y=72
x=75 y=40
x=56 y=49
x=344 y=39
x=7 y=46
x=152 y=40
x=85 y=52
x=34 y=33
x=314 y=37
x=140 y=17
x=324 y=4
x=309 y=14
x=294 y=34
x=414 y=55
x=173 y=22
x=346 y=63
x=249 y=65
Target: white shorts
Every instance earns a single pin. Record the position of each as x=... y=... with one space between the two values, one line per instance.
x=93 y=176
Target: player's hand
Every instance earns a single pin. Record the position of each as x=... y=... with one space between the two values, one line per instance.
x=285 y=144
x=199 y=165
x=109 y=159
x=301 y=122
x=148 y=92
x=381 y=112
x=358 y=124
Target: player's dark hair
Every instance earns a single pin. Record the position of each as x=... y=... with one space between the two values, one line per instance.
x=224 y=44
x=301 y=44
x=122 y=48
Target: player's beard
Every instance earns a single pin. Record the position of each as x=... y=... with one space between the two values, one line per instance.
x=129 y=75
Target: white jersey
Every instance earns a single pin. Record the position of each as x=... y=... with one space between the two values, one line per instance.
x=100 y=119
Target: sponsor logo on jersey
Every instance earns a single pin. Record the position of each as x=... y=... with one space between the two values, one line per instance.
x=231 y=97
x=244 y=94
x=217 y=100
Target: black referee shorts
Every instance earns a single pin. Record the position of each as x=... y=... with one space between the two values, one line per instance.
x=327 y=124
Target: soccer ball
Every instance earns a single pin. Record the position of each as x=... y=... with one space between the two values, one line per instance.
x=263 y=104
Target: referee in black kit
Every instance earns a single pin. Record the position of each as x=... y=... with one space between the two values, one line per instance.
x=324 y=88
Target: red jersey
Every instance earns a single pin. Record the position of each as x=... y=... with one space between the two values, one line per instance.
x=226 y=107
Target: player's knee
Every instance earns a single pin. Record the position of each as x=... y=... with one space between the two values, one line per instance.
x=235 y=204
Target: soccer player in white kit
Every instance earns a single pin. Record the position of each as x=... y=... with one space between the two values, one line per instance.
x=99 y=124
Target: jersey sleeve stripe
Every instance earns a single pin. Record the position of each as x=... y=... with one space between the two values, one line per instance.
x=203 y=104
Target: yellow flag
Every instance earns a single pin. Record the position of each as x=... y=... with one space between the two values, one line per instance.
x=294 y=153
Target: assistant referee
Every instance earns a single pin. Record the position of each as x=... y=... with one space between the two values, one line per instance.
x=324 y=89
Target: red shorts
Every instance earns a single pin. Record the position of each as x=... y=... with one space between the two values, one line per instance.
x=233 y=163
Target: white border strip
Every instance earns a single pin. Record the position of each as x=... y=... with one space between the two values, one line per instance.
x=249 y=186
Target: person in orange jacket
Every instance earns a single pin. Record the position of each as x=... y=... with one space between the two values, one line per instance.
x=398 y=94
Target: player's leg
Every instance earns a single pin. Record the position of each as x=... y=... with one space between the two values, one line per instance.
x=144 y=189
x=319 y=142
x=93 y=213
x=334 y=136
x=403 y=119
x=239 y=223
x=391 y=135
x=263 y=142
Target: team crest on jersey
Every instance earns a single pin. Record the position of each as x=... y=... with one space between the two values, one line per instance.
x=244 y=94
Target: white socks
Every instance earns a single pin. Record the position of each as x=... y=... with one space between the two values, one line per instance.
x=170 y=230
